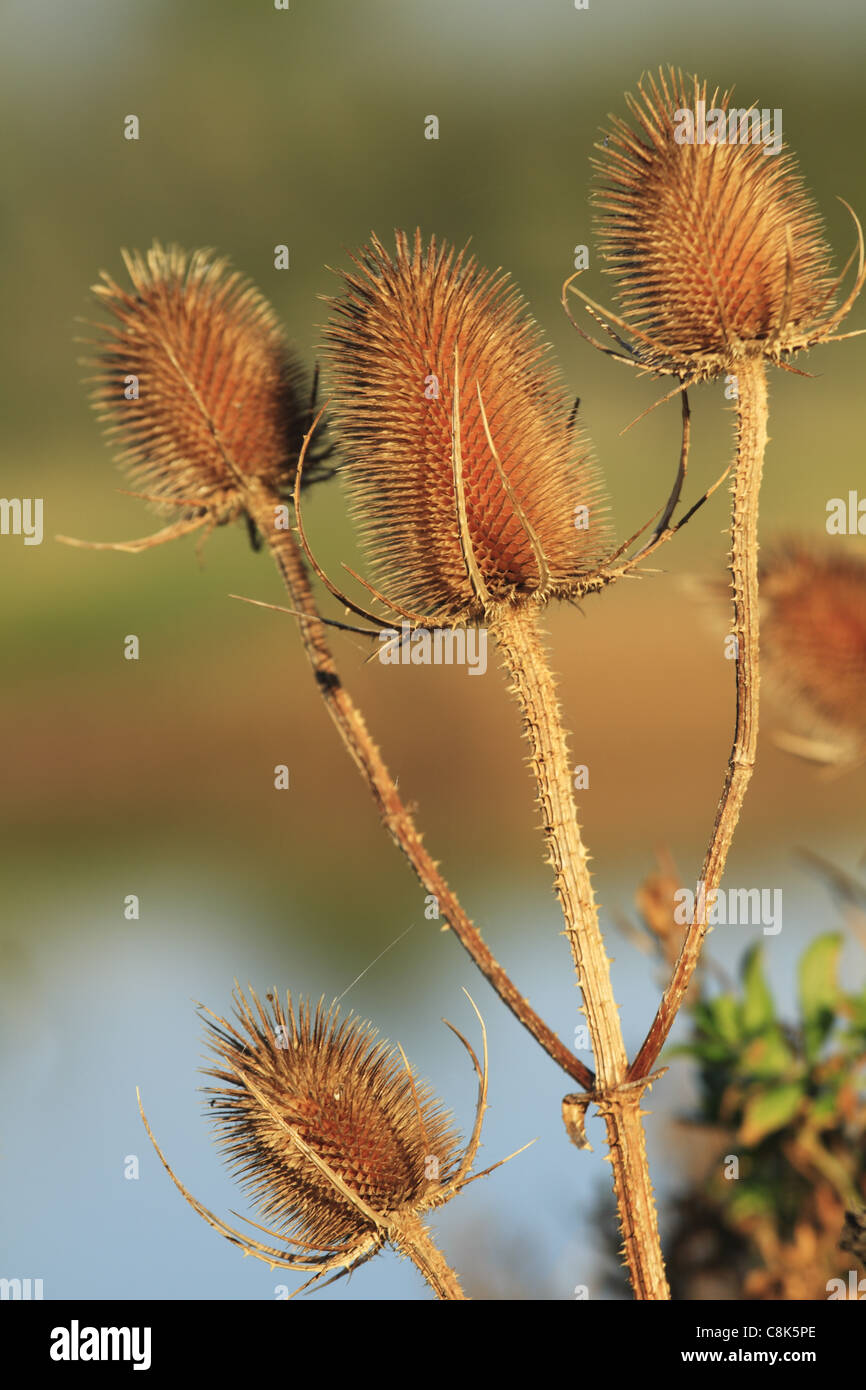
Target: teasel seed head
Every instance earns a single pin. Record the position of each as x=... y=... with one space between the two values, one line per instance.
x=336 y=1142
x=813 y=643
x=717 y=249
x=468 y=479
x=349 y=1098
x=196 y=387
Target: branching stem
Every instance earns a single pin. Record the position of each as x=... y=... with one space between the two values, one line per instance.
x=262 y=506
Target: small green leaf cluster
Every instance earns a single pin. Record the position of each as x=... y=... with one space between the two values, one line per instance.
x=793 y=1097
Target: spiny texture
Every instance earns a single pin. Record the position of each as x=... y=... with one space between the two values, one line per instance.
x=348 y=1097
x=217 y=389
x=813 y=638
x=391 y=345
x=716 y=247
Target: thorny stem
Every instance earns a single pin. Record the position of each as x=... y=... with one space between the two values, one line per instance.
x=533 y=685
x=412 y=1238
x=751 y=444
x=365 y=754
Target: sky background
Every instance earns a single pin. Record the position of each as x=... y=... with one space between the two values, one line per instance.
x=305 y=127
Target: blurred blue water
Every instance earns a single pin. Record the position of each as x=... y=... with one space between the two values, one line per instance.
x=107 y=1006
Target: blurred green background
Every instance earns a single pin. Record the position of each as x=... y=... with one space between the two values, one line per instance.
x=154 y=777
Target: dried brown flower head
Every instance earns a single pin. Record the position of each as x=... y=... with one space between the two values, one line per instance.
x=813 y=640
x=469 y=481
x=349 y=1098
x=717 y=249
x=334 y=1139
x=196 y=387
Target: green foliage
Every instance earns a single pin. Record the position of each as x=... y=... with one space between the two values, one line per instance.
x=793 y=1096
x=819 y=991
x=758 y=1010
x=769 y=1110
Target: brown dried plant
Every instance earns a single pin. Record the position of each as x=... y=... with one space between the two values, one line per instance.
x=717 y=250
x=721 y=266
x=197 y=389
x=410 y=417
x=480 y=503
x=221 y=415
x=430 y=357
x=340 y=1147
x=519 y=545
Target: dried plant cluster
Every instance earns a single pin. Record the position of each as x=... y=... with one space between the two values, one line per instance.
x=479 y=501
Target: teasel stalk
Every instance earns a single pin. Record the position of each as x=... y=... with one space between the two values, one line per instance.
x=480 y=503
x=722 y=267
x=208 y=410
x=339 y=1145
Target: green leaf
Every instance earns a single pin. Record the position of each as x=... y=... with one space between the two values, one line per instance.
x=826 y=1106
x=758 y=1006
x=767 y=1056
x=819 y=990
x=716 y=1027
x=726 y=1017
x=768 y=1111
x=857 y=1005
x=702 y=1015
x=748 y=1201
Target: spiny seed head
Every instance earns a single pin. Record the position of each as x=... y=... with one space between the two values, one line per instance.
x=391 y=345
x=717 y=249
x=196 y=386
x=813 y=639
x=351 y=1100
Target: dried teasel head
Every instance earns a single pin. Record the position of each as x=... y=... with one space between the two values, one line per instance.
x=336 y=1142
x=469 y=480
x=197 y=388
x=813 y=643
x=349 y=1098
x=718 y=251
